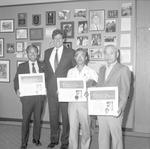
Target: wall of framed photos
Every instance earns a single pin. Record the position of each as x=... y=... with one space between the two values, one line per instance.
x=33 y=24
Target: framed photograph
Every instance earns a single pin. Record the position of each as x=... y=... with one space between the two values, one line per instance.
x=68 y=28
x=82 y=27
x=96 y=40
x=10 y=47
x=110 y=39
x=51 y=18
x=22 y=19
x=80 y=13
x=36 y=33
x=19 y=62
x=112 y=14
x=97 y=20
x=7 y=26
x=96 y=54
x=110 y=26
x=82 y=41
x=4 y=71
x=126 y=9
x=68 y=44
x=19 y=46
x=1 y=47
x=21 y=33
x=71 y=90
x=38 y=45
x=36 y=19
x=103 y=101
x=64 y=15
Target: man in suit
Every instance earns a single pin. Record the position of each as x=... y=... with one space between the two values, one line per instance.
x=113 y=74
x=30 y=104
x=58 y=60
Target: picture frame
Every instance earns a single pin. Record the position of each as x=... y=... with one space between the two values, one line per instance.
x=112 y=14
x=10 y=48
x=82 y=41
x=22 y=19
x=5 y=71
x=67 y=44
x=36 y=33
x=96 y=54
x=64 y=15
x=7 y=26
x=50 y=18
x=1 y=47
x=36 y=19
x=21 y=33
x=97 y=20
x=83 y=27
x=68 y=29
x=110 y=26
x=19 y=46
x=80 y=13
x=96 y=39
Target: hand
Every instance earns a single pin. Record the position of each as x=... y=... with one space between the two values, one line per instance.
x=18 y=93
x=118 y=113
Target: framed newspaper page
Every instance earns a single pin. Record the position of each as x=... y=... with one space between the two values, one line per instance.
x=32 y=84
x=71 y=90
x=103 y=101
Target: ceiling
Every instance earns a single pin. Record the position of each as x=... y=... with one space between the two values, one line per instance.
x=19 y=2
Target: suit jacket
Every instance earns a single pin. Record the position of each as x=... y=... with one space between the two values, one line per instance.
x=24 y=69
x=120 y=76
x=66 y=62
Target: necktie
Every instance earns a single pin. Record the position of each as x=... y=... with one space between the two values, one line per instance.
x=33 y=68
x=56 y=60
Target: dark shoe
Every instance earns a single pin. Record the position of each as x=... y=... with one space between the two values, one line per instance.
x=52 y=145
x=23 y=146
x=64 y=146
x=37 y=142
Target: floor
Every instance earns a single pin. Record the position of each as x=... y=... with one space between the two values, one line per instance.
x=10 y=139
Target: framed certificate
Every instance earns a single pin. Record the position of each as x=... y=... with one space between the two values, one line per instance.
x=71 y=90
x=32 y=84
x=103 y=101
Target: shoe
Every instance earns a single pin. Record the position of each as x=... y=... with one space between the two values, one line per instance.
x=52 y=145
x=64 y=146
x=23 y=146
x=37 y=142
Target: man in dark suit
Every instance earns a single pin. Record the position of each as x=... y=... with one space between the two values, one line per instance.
x=63 y=58
x=30 y=104
x=113 y=74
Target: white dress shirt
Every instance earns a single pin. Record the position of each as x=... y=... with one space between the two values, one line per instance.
x=52 y=57
x=35 y=65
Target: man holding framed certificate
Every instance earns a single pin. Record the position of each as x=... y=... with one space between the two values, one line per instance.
x=77 y=110
x=29 y=84
x=117 y=75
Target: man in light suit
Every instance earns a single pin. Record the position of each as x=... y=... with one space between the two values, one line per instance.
x=30 y=104
x=113 y=74
x=65 y=60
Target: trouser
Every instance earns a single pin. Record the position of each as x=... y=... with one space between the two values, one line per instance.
x=33 y=104
x=110 y=126
x=54 y=110
x=78 y=114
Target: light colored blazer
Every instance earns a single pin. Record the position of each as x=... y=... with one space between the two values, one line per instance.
x=120 y=76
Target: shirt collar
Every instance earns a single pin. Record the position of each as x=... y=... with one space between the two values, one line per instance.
x=111 y=65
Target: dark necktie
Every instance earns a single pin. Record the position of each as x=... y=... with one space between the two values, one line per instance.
x=33 y=68
x=56 y=60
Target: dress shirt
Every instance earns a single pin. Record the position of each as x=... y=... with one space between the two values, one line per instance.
x=86 y=73
x=35 y=65
x=108 y=69
x=52 y=57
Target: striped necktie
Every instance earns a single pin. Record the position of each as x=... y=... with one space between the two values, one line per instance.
x=56 y=60
x=33 y=68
